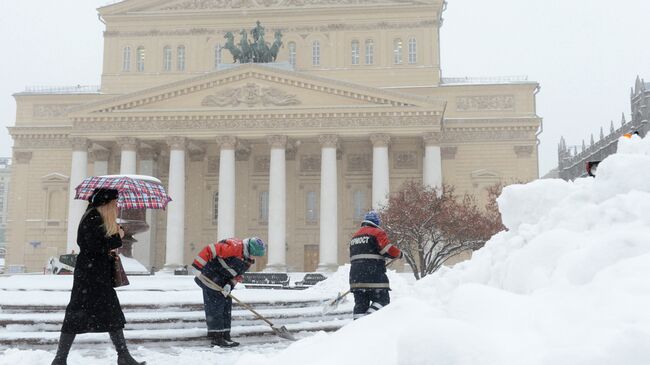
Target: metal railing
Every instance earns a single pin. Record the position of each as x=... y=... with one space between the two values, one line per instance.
x=78 y=89
x=484 y=80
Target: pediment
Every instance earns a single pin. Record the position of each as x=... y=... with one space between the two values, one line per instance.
x=133 y=6
x=257 y=88
x=486 y=176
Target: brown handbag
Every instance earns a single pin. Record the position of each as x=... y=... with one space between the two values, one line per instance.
x=119 y=275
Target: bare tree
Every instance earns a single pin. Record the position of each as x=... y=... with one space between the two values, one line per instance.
x=432 y=226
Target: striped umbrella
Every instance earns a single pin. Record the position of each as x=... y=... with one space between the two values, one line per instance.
x=135 y=191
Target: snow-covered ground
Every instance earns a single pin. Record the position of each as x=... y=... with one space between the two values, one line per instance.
x=568 y=283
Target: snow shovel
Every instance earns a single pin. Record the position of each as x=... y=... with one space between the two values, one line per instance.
x=281 y=331
x=331 y=305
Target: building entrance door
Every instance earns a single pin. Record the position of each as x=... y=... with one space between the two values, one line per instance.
x=311 y=258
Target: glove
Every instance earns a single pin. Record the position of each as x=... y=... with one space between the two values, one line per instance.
x=226 y=290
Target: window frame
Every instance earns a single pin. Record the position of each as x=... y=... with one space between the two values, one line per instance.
x=412 y=51
x=292 y=53
x=369 y=52
x=126 y=59
x=140 y=58
x=315 y=53
x=181 y=58
x=355 y=52
x=398 y=51
x=167 y=58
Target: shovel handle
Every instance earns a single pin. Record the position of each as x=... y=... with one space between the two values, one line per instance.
x=212 y=285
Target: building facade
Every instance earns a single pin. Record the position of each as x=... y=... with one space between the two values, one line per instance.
x=294 y=152
x=5 y=177
x=572 y=160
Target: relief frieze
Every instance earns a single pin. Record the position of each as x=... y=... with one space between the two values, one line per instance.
x=485 y=102
x=251 y=95
x=43 y=111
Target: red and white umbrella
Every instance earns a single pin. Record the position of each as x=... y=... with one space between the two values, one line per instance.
x=135 y=191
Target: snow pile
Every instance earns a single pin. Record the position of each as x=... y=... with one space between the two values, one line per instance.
x=567 y=284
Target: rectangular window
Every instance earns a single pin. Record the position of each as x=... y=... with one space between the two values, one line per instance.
x=359 y=203
x=264 y=207
x=315 y=53
x=215 y=208
x=397 y=51
x=292 y=54
x=412 y=51
x=217 y=56
x=370 y=52
x=167 y=59
x=140 y=59
x=126 y=59
x=311 y=214
x=180 y=61
x=355 y=52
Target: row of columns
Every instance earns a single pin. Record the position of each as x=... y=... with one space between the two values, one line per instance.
x=277 y=191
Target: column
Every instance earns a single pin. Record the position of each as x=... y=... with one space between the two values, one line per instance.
x=128 y=146
x=277 y=204
x=145 y=250
x=380 y=178
x=432 y=169
x=328 y=246
x=226 y=204
x=100 y=157
x=78 y=172
x=176 y=208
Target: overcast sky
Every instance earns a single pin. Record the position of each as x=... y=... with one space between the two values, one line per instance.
x=584 y=53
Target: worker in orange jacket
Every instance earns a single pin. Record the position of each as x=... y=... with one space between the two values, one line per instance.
x=224 y=263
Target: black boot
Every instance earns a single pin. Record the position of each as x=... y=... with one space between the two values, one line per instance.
x=226 y=336
x=65 y=342
x=220 y=340
x=123 y=355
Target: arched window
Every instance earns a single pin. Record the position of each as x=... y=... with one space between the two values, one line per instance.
x=217 y=56
x=215 y=208
x=355 y=52
x=140 y=55
x=359 y=203
x=292 y=53
x=180 y=58
x=126 y=59
x=264 y=207
x=315 y=53
x=412 y=51
x=311 y=205
x=397 y=51
x=370 y=52
x=167 y=58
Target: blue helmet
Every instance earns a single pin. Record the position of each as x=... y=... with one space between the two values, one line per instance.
x=372 y=217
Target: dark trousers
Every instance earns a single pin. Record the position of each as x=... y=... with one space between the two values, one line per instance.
x=363 y=298
x=218 y=310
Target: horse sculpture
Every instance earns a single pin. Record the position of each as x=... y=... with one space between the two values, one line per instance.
x=230 y=45
x=277 y=44
x=258 y=50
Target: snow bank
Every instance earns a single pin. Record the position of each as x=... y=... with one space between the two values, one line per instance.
x=567 y=284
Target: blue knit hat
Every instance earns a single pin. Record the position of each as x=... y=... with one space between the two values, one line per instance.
x=255 y=246
x=372 y=217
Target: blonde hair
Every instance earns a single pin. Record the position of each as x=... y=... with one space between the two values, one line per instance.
x=109 y=216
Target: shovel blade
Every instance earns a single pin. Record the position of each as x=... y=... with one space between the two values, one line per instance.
x=284 y=333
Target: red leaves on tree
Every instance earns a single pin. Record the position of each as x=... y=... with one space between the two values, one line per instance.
x=432 y=226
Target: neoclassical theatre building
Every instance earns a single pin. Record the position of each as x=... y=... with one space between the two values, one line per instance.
x=294 y=151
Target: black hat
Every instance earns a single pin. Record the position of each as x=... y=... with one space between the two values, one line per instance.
x=102 y=196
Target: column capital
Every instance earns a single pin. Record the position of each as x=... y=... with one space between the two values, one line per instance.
x=227 y=142
x=432 y=138
x=100 y=154
x=380 y=140
x=79 y=143
x=127 y=143
x=277 y=141
x=177 y=143
x=243 y=150
x=328 y=140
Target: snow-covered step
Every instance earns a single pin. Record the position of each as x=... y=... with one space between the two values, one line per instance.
x=10 y=338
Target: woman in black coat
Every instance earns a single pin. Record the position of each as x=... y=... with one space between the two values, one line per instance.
x=94 y=306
